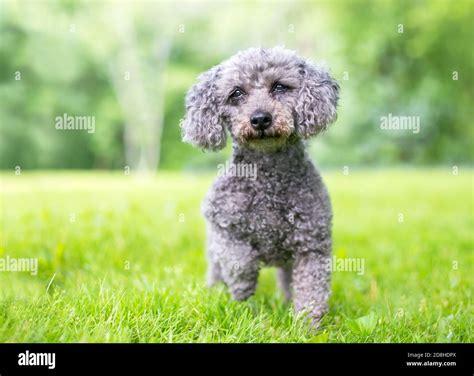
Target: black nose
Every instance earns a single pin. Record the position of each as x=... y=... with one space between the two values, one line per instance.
x=261 y=120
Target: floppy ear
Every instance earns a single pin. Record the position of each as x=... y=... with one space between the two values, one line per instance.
x=202 y=126
x=317 y=101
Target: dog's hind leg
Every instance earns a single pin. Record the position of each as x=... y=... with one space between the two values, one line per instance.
x=284 y=280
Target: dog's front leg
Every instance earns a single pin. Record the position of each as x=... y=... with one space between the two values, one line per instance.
x=239 y=268
x=311 y=283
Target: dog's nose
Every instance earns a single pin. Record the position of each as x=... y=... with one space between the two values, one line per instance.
x=261 y=120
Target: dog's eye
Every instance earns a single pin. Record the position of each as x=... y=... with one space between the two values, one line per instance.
x=237 y=94
x=279 y=88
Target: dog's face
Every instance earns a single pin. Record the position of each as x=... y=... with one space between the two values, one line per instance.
x=264 y=98
x=259 y=100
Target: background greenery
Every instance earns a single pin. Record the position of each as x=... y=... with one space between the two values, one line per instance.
x=72 y=57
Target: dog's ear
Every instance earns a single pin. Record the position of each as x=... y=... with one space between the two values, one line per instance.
x=202 y=125
x=317 y=101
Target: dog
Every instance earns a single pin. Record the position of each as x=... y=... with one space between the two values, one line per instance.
x=269 y=101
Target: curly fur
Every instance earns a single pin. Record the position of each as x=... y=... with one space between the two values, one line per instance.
x=283 y=216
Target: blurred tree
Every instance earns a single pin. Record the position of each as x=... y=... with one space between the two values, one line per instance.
x=138 y=79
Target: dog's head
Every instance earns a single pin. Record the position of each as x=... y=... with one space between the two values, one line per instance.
x=263 y=97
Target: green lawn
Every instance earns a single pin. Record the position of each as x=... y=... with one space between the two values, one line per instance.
x=121 y=259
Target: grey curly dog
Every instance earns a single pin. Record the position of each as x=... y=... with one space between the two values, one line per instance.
x=269 y=101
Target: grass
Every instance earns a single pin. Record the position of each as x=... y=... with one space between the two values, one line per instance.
x=121 y=259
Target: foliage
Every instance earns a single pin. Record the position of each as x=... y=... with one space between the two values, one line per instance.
x=67 y=54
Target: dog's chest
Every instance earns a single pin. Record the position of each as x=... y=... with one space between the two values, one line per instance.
x=263 y=211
